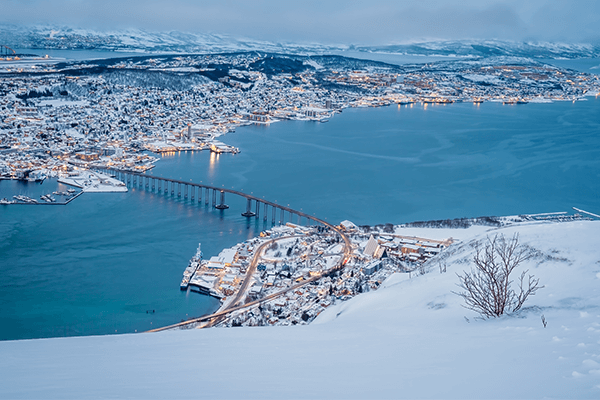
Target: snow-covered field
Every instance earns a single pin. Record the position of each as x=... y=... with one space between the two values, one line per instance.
x=409 y=339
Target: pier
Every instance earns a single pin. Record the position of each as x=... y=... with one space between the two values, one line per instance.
x=33 y=202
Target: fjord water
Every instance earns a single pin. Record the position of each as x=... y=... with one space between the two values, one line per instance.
x=99 y=264
x=402 y=163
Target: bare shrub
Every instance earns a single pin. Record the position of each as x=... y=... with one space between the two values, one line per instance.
x=443 y=267
x=487 y=289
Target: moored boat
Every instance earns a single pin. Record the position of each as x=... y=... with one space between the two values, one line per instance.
x=191 y=268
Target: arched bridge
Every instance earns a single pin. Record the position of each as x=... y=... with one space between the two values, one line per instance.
x=5 y=50
x=213 y=195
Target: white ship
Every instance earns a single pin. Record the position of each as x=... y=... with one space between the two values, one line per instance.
x=191 y=269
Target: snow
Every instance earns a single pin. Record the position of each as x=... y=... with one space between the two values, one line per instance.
x=63 y=103
x=175 y=69
x=94 y=182
x=313 y=64
x=483 y=78
x=540 y=100
x=409 y=339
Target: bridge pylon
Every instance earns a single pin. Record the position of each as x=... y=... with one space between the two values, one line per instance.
x=248 y=212
x=222 y=205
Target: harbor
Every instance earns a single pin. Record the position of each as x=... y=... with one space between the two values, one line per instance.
x=325 y=169
x=84 y=180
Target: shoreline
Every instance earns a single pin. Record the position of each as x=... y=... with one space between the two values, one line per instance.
x=320 y=93
x=366 y=270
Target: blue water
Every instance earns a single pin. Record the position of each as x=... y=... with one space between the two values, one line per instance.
x=78 y=54
x=98 y=264
x=101 y=263
x=589 y=65
x=399 y=164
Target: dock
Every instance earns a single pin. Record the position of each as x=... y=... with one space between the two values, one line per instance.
x=33 y=202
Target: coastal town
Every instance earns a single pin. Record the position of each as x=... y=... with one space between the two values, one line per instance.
x=56 y=116
x=290 y=273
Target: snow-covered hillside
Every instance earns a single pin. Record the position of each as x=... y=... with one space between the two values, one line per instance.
x=487 y=48
x=409 y=339
x=63 y=37
x=66 y=37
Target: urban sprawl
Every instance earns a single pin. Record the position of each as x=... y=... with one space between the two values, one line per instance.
x=57 y=116
x=66 y=119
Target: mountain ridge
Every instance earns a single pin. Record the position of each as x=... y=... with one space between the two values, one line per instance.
x=132 y=39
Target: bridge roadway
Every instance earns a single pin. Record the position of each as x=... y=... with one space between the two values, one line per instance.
x=234 y=306
x=126 y=175
x=4 y=50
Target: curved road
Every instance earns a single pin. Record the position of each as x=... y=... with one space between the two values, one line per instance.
x=218 y=316
x=241 y=293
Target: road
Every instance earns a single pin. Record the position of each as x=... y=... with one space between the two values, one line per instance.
x=213 y=319
x=242 y=291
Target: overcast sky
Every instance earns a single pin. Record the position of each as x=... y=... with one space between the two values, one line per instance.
x=328 y=21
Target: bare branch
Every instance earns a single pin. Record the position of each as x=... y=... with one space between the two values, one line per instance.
x=527 y=290
x=487 y=288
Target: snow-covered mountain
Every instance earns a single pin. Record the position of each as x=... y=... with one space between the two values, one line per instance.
x=486 y=48
x=60 y=37
x=409 y=339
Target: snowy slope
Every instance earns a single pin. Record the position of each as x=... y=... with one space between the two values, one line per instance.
x=487 y=48
x=65 y=37
x=409 y=339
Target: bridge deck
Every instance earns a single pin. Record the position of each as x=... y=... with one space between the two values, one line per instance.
x=225 y=190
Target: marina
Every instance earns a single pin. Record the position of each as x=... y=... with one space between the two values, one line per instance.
x=46 y=199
